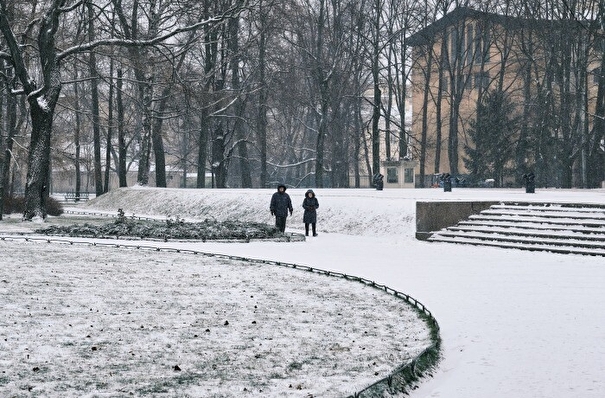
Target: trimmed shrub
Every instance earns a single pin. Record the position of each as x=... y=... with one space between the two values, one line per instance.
x=53 y=207
x=16 y=204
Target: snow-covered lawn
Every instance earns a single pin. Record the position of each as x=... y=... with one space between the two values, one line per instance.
x=513 y=323
x=97 y=321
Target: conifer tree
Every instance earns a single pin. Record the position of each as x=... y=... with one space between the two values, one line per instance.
x=493 y=138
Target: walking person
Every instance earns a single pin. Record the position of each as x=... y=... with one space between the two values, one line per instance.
x=280 y=206
x=310 y=204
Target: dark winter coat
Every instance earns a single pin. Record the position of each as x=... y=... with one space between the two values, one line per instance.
x=280 y=203
x=310 y=204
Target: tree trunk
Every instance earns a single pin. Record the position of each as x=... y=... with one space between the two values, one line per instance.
x=145 y=89
x=96 y=128
x=78 y=171
x=438 y=109
x=121 y=134
x=94 y=91
x=6 y=143
x=377 y=102
x=599 y=118
x=4 y=155
x=110 y=125
x=262 y=134
x=36 y=191
x=262 y=98
x=425 y=127
x=452 y=148
x=389 y=107
x=219 y=169
x=158 y=141
x=323 y=83
x=202 y=153
x=321 y=137
x=375 y=127
x=242 y=148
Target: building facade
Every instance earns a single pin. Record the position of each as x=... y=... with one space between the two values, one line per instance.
x=547 y=72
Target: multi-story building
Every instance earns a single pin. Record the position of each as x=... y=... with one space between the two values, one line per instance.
x=546 y=70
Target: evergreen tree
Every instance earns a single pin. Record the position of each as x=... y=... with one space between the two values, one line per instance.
x=493 y=136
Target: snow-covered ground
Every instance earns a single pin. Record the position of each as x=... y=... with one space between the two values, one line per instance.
x=514 y=323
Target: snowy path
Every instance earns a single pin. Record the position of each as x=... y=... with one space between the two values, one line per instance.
x=514 y=323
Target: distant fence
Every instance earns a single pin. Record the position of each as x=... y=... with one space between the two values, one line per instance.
x=397 y=381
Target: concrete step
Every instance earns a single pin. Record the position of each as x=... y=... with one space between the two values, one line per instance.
x=523 y=246
x=587 y=222
x=521 y=239
x=547 y=207
x=532 y=226
x=533 y=232
x=556 y=228
x=556 y=214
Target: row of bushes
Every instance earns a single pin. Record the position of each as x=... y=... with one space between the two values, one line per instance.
x=16 y=205
x=168 y=229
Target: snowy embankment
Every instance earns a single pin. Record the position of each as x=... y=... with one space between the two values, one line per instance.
x=354 y=212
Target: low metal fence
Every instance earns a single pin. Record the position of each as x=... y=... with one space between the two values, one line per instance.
x=399 y=380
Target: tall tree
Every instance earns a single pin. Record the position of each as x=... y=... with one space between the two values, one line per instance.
x=42 y=100
x=7 y=135
x=110 y=128
x=122 y=149
x=375 y=55
x=43 y=96
x=94 y=105
x=239 y=106
x=264 y=33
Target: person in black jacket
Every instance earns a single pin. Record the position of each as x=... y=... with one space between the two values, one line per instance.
x=310 y=204
x=280 y=205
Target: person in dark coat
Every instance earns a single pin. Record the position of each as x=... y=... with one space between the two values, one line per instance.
x=310 y=204
x=280 y=206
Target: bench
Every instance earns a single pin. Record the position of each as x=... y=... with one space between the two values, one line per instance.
x=71 y=196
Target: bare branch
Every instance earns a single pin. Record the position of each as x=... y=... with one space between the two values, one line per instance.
x=15 y=56
x=231 y=13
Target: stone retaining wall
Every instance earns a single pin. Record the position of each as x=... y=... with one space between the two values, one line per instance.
x=433 y=216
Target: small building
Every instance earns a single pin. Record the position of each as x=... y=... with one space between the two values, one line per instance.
x=399 y=173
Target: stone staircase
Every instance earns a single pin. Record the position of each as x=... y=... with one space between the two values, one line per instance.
x=559 y=228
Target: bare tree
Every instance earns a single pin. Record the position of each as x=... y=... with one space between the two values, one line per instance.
x=122 y=146
x=94 y=105
x=43 y=96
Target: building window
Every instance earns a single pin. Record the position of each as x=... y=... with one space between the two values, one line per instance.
x=481 y=80
x=408 y=177
x=476 y=44
x=482 y=44
x=471 y=47
x=486 y=46
x=455 y=50
x=392 y=175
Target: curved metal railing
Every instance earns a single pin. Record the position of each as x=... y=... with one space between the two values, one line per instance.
x=397 y=381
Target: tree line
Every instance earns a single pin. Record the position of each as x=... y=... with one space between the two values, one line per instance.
x=248 y=92
x=251 y=92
